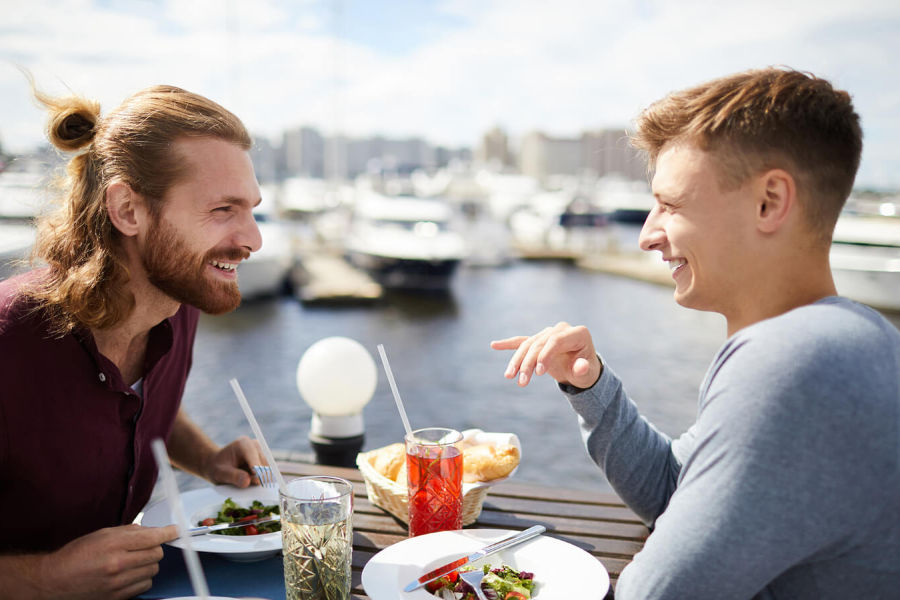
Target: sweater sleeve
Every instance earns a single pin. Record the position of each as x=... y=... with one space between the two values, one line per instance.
x=637 y=459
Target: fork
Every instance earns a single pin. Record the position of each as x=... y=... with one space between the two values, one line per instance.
x=474 y=578
x=266 y=476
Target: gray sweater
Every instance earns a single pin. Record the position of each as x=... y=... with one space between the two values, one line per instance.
x=787 y=485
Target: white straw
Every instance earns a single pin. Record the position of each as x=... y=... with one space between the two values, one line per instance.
x=390 y=376
x=198 y=581
x=258 y=432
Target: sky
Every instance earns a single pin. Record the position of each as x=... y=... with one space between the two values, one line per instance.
x=444 y=70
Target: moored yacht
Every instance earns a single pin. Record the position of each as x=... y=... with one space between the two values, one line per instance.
x=23 y=195
x=405 y=242
x=865 y=260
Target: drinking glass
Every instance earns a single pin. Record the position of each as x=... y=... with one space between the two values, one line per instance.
x=434 y=474
x=317 y=537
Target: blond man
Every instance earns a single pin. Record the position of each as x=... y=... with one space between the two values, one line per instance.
x=787 y=485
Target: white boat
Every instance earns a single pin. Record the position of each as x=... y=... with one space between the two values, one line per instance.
x=865 y=260
x=559 y=224
x=267 y=271
x=302 y=198
x=23 y=195
x=16 y=241
x=623 y=200
x=405 y=242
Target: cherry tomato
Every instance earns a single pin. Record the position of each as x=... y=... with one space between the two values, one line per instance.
x=208 y=522
x=515 y=596
x=251 y=530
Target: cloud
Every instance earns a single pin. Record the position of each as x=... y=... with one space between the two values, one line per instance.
x=467 y=65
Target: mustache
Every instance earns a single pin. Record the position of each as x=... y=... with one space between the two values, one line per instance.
x=228 y=254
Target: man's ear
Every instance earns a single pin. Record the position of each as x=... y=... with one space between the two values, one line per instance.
x=124 y=207
x=775 y=199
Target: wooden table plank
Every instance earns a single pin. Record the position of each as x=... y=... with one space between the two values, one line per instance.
x=561 y=508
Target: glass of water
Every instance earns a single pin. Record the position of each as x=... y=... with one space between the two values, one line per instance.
x=317 y=537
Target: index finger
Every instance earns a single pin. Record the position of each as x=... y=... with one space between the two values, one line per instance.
x=251 y=451
x=508 y=343
x=146 y=537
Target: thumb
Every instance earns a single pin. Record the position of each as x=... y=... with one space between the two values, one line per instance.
x=581 y=366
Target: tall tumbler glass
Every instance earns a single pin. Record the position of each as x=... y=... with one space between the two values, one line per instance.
x=317 y=537
x=434 y=474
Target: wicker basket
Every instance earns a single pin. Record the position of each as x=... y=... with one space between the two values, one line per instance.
x=392 y=496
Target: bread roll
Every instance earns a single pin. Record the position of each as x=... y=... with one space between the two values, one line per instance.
x=389 y=460
x=484 y=462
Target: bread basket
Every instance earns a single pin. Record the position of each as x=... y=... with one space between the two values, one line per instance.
x=393 y=497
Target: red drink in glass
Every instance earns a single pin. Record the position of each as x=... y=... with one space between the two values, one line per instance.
x=434 y=473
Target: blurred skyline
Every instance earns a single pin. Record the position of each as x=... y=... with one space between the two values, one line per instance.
x=444 y=70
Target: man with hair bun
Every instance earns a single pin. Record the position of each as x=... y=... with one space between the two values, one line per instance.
x=155 y=217
x=787 y=485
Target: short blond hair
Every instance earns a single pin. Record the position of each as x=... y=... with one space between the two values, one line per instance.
x=762 y=119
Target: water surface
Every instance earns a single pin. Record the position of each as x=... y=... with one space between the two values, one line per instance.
x=447 y=373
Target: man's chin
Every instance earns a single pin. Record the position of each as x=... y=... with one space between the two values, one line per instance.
x=219 y=309
x=683 y=298
x=219 y=305
x=211 y=301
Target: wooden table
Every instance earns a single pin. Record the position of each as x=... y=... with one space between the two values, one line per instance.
x=595 y=522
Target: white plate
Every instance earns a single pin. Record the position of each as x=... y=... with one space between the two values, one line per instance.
x=206 y=502
x=560 y=569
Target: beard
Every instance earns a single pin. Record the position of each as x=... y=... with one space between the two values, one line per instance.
x=181 y=274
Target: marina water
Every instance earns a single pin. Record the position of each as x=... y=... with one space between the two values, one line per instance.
x=447 y=374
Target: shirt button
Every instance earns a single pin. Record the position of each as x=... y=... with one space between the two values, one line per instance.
x=102 y=376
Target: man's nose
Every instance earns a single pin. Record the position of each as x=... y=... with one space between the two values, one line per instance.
x=652 y=234
x=250 y=237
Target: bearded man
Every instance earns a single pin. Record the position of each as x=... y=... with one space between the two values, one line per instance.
x=96 y=345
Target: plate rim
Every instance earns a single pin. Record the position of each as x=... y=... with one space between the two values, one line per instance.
x=474 y=541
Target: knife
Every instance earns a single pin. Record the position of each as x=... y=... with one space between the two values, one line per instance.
x=506 y=542
x=211 y=528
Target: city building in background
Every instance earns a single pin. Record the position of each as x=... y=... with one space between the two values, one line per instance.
x=305 y=152
x=494 y=150
x=600 y=153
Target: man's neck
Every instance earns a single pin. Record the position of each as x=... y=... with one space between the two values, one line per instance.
x=125 y=343
x=781 y=286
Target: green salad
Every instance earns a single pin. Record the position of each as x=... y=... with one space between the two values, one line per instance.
x=232 y=513
x=503 y=583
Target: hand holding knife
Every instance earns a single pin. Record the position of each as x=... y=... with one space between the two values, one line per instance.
x=506 y=542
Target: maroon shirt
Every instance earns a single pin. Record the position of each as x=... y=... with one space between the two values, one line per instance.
x=74 y=438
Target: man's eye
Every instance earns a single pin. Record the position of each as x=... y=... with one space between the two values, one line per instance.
x=222 y=209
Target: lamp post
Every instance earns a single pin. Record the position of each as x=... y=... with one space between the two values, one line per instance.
x=336 y=377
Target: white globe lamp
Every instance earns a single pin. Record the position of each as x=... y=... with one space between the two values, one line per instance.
x=336 y=377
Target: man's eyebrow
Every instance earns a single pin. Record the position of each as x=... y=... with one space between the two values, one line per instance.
x=236 y=201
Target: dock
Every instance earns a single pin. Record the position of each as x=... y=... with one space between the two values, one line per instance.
x=641 y=266
x=321 y=276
